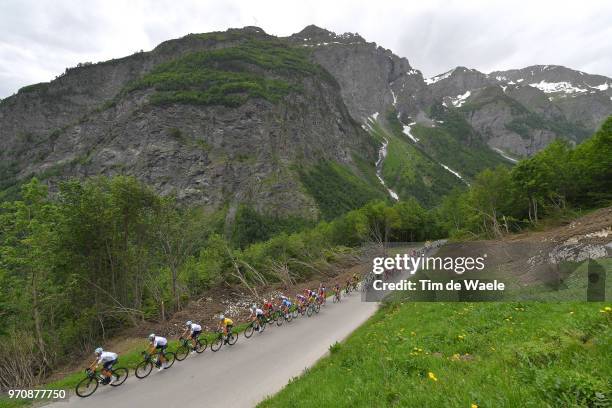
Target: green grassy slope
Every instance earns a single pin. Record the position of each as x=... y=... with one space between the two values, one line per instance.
x=410 y=172
x=414 y=169
x=459 y=354
x=455 y=144
x=338 y=189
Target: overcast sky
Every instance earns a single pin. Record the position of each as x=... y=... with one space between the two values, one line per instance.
x=40 y=38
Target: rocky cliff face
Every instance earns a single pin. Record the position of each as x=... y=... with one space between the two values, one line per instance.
x=372 y=79
x=204 y=117
x=241 y=116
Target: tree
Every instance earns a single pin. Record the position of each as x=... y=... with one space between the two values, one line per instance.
x=28 y=249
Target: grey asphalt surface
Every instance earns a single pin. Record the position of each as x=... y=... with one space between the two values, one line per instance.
x=241 y=375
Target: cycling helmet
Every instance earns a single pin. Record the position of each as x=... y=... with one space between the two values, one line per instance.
x=151 y=336
x=99 y=350
x=188 y=323
x=253 y=306
x=221 y=317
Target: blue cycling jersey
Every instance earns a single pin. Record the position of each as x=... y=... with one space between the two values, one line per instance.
x=286 y=303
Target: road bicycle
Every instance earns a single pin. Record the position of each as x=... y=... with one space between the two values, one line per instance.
x=187 y=346
x=258 y=325
x=337 y=296
x=145 y=367
x=230 y=339
x=89 y=384
x=313 y=308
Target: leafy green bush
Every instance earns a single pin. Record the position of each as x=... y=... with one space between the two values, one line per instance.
x=230 y=76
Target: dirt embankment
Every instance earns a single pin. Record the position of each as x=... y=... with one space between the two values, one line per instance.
x=535 y=256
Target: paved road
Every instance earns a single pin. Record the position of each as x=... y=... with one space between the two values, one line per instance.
x=241 y=375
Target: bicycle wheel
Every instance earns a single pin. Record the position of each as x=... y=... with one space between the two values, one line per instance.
x=182 y=352
x=121 y=374
x=295 y=313
x=232 y=338
x=216 y=344
x=309 y=311
x=170 y=357
x=262 y=326
x=289 y=317
x=143 y=369
x=279 y=319
x=201 y=345
x=317 y=308
x=249 y=331
x=86 y=387
x=335 y=299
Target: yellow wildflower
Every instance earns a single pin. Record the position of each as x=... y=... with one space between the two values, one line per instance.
x=473 y=406
x=432 y=376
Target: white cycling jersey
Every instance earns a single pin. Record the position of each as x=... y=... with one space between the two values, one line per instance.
x=195 y=327
x=258 y=312
x=107 y=356
x=159 y=341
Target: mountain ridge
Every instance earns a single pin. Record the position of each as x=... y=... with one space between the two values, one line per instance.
x=240 y=116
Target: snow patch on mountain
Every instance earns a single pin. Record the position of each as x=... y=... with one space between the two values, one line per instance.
x=552 y=87
x=407 y=131
x=456 y=174
x=460 y=99
x=504 y=155
x=440 y=77
x=603 y=87
x=382 y=153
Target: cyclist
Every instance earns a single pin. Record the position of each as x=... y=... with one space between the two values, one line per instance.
x=267 y=307
x=322 y=293
x=107 y=359
x=337 y=290
x=348 y=286
x=285 y=305
x=158 y=343
x=355 y=281
x=192 y=330
x=301 y=301
x=312 y=297
x=256 y=314
x=225 y=324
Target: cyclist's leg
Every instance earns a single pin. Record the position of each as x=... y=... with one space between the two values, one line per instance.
x=161 y=354
x=194 y=338
x=107 y=367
